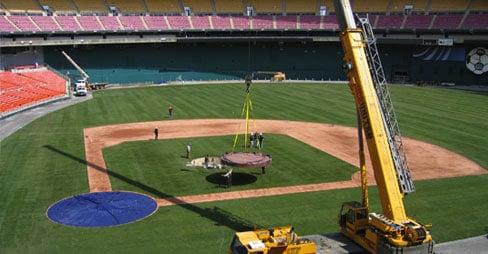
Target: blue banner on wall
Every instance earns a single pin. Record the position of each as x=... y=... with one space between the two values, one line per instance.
x=456 y=54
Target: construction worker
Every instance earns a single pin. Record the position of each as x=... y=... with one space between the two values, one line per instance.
x=170 y=112
x=251 y=139
x=188 y=151
x=156 y=133
x=261 y=140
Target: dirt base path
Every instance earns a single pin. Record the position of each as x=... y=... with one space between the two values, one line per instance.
x=426 y=161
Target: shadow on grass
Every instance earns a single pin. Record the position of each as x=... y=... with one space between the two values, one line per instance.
x=216 y=214
x=237 y=179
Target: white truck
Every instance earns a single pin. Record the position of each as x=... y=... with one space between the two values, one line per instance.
x=80 y=88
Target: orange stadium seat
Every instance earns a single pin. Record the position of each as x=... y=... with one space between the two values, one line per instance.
x=59 y=5
x=479 y=5
x=451 y=5
x=271 y=6
x=128 y=6
x=229 y=6
x=301 y=6
x=163 y=6
x=399 y=5
x=369 y=6
x=199 y=6
x=91 y=5
x=24 y=5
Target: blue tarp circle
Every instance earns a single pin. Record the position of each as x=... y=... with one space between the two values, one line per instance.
x=102 y=209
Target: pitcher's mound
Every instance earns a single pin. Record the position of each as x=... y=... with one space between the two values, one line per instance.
x=246 y=160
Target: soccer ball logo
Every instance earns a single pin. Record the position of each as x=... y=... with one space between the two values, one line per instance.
x=477 y=60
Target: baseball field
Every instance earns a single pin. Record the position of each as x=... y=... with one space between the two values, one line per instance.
x=53 y=158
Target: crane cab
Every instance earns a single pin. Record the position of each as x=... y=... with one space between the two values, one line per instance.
x=353 y=218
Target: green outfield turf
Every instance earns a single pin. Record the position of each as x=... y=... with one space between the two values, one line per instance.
x=44 y=162
x=161 y=164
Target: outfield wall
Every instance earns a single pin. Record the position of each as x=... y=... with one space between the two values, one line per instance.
x=161 y=63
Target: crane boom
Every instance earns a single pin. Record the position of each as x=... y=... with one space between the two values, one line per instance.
x=392 y=230
x=85 y=76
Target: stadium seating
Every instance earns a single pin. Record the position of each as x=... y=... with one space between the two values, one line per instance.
x=229 y=6
x=6 y=26
x=301 y=6
x=310 y=22
x=479 y=5
x=163 y=6
x=270 y=6
x=68 y=23
x=97 y=6
x=90 y=23
x=124 y=6
x=24 y=23
x=363 y=6
x=418 y=21
x=476 y=21
x=21 y=5
x=46 y=23
x=399 y=5
x=221 y=22
x=286 y=22
x=179 y=22
x=241 y=22
x=262 y=22
x=59 y=5
x=389 y=21
x=110 y=23
x=329 y=22
x=449 y=6
x=132 y=23
x=23 y=89
x=199 y=6
x=201 y=22
x=449 y=21
x=156 y=23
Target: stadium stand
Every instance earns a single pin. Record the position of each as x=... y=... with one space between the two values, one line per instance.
x=59 y=5
x=90 y=23
x=221 y=22
x=476 y=21
x=199 y=6
x=21 y=5
x=68 y=23
x=241 y=22
x=310 y=22
x=418 y=21
x=6 y=26
x=389 y=21
x=46 y=23
x=124 y=6
x=479 y=5
x=271 y=6
x=20 y=90
x=179 y=22
x=328 y=4
x=156 y=23
x=301 y=6
x=262 y=22
x=329 y=22
x=97 y=6
x=163 y=6
x=448 y=21
x=201 y=22
x=286 y=22
x=417 y=5
x=449 y=6
x=132 y=23
x=229 y=6
x=110 y=23
x=24 y=23
x=363 y=6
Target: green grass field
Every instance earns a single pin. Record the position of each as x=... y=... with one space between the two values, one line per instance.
x=159 y=164
x=44 y=162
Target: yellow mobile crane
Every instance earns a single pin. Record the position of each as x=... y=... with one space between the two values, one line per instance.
x=390 y=232
x=393 y=231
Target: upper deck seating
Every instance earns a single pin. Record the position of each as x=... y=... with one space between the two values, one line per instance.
x=229 y=6
x=417 y=5
x=368 y=6
x=132 y=23
x=241 y=23
x=156 y=23
x=389 y=21
x=418 y=21
x=201 y=22
x=221 y=22
x=270 y=6
x=310 y=22
x=479 y=5
x=90 y=23
x=286 y=22
x=6 y=26
x=301 y=6
x=163 y=6
x=59 y=5
x=262 y=22
x=21 y=5
x=110 y=23
x=24 y=23
x=68 y=23
x=125 y=6
x=450 y=21
x=199 y=6
x=46 y=23
x=330 y=22
x=476 y=21
x=179 y=22
x=449 y=6
x=97 y=6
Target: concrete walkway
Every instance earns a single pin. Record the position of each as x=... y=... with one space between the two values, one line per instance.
x=17 y=121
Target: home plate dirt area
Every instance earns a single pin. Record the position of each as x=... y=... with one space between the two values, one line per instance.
x=426 y=161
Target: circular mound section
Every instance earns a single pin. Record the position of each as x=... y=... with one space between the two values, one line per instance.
x=246 y=160
x=237 y=179
x=102 y=209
